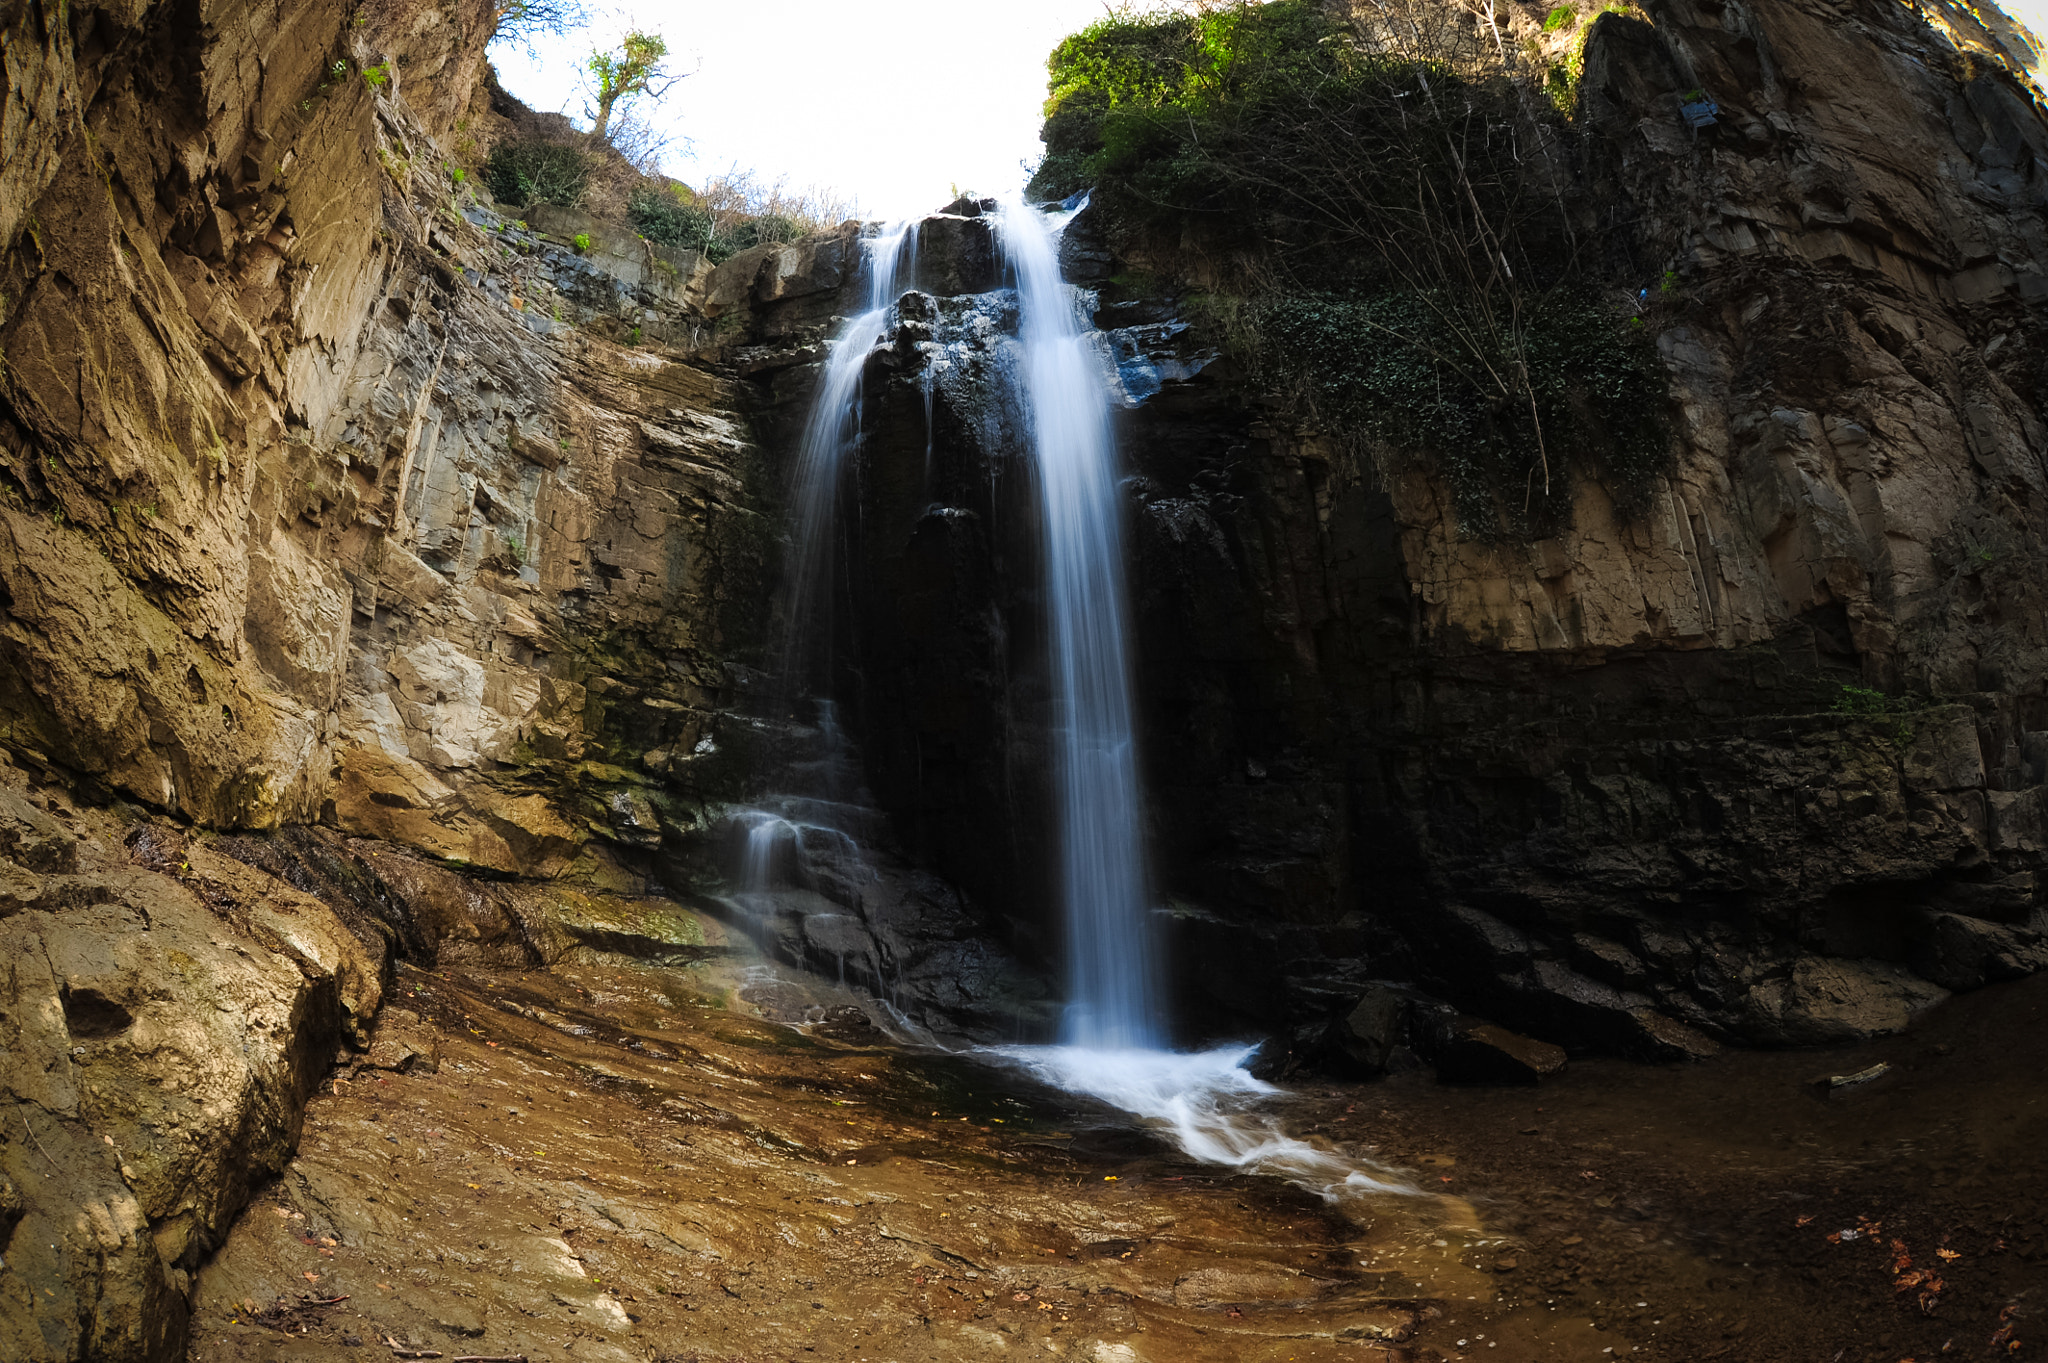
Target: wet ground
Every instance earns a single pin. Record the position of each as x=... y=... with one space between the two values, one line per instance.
x=625 y=1163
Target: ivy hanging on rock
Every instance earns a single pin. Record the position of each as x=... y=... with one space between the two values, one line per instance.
x=1388 y=205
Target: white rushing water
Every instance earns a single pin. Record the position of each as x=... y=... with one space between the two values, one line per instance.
x=1111 y=991
x=1207 y=1102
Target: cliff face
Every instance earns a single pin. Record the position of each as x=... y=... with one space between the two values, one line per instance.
x=1637 y=774
x=328 y=495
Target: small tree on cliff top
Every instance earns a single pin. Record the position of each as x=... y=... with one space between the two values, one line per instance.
x=619 y=77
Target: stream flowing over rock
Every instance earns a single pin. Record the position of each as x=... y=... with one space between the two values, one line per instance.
x=391 y=579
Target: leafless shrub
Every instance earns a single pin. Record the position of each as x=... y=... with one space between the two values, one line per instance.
x=737 y=194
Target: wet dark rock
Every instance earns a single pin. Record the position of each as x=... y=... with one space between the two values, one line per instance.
x=969 y=206
x=1960 y=952
x=957 y=255
x=1271 y=1059
x=849 y=1024
x=1085 y=255
x=1373 y=1028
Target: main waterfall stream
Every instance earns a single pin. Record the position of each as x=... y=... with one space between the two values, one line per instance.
x=1112 y=998
x=1113 y=1035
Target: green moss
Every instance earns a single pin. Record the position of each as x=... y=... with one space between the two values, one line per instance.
x=1895 y=714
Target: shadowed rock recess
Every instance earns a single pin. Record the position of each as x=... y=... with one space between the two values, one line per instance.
x=390 y=582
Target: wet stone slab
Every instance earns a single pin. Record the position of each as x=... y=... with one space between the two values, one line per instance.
x=611 y=1163
x=630 y=1163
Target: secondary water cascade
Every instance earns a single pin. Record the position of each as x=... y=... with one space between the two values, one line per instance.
x=830 y=433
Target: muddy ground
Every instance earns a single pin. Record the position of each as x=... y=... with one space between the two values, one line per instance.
x=623 y=1163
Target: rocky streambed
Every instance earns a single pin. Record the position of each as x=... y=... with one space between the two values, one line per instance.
x=615 y=1161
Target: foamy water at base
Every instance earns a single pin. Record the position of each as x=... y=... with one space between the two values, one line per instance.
x=1208 y=1103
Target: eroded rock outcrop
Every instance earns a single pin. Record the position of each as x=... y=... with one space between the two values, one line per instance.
x=333 y=495
x=165 y=1012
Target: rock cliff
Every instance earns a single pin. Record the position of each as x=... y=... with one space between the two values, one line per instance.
x=332 y=496
x=1761 y=764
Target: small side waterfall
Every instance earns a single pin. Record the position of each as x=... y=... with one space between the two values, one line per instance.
x=829 y=435
x=1111 y=993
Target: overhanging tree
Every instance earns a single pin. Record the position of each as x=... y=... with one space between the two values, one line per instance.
x=526 y=22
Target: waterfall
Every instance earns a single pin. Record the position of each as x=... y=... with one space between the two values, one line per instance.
x=1111 y=995
x=1112 y=1039
x=829 y=435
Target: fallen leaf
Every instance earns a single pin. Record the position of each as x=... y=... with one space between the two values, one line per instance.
x=1804 y=1221
x=1947 y=1255
x=310 y=1276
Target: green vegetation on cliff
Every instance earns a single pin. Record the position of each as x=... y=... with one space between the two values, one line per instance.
x=1386 y=211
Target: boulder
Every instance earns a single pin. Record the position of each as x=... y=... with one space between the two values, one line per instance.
x=1823 y=1001
x=1960 y=952
x=160 y=1032
x=1482 y=1053
x=1367 y=1035
x=403 y=1044
x=458 y=918
x=957 y=255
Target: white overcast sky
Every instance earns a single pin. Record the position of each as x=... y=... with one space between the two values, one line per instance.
x=889 y=102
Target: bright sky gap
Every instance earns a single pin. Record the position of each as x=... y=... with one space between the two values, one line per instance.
x=892 y=103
